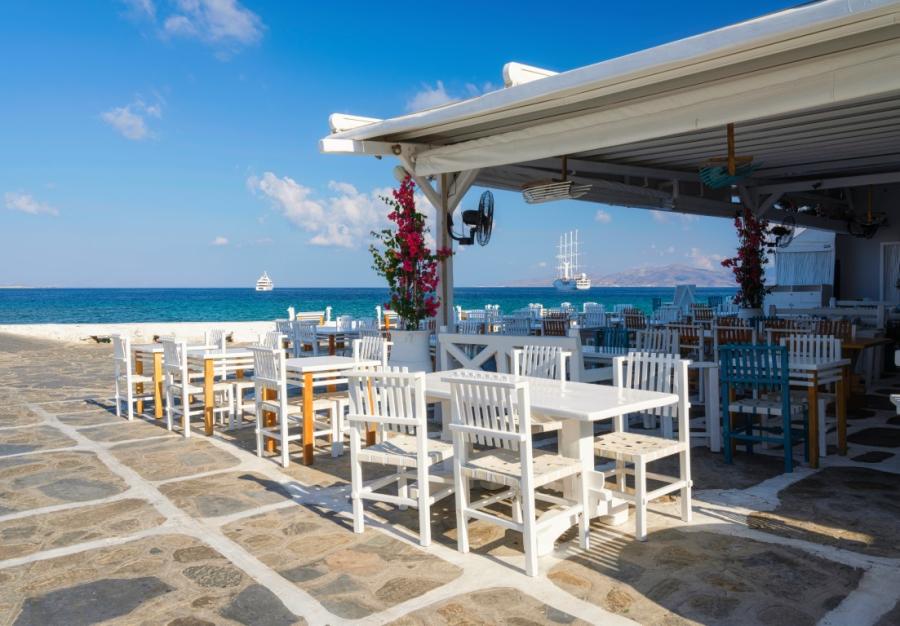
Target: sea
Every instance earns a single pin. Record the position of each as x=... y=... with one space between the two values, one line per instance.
x=70 y=306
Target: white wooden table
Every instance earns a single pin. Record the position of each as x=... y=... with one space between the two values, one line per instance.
x=213 y=362
x=812 y=374
x=577 y=406
x=318 y=371
x=152 y=354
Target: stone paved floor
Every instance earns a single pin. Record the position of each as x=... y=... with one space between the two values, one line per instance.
x=105 y=520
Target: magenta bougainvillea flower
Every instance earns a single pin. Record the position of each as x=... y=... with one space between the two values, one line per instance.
x=748 y=265
x=405 y=261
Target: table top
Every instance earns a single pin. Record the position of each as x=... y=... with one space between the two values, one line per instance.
x=217 y=353
x=157 y=347
x=332 y=330
x=570 y=400
x=815 y=365
x=312 y=364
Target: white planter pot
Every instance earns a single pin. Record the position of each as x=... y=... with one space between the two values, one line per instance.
x=746 y=314
x=410 y=349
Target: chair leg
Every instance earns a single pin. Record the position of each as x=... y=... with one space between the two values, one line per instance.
x=185 y=414
x=129 y=395
x=823 y=443
x=529 y=532
x=462 y=504
x=337 y=430
x=640 y=500
x=283 y=429
x=259 y=431
x=424 y=505
x=118 y=396
x=684 y=460
x=168 y=407
x=402 y=488
x=356 y=481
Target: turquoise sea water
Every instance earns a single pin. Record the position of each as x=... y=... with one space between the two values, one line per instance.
x=36 y=306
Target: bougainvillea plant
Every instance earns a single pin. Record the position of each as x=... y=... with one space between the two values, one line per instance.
x=748 y=265
x=405 y=261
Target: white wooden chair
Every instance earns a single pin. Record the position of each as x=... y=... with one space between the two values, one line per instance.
x=818 y=348
x=179 y=386
x=272 y=340
x=493 y=411
x=126 y=380
x=594 y=317
x=540 y=361
x=662 y=340
x=393 y=402
x=666 y=373
x=304 y=340
x=269 y=375
x=471 y=326
x=515 y=325
x=371 y=349
x=215 y=337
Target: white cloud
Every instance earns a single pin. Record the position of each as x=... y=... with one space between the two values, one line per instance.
x=130 y=121
x=25 y=203
x=214 y=21
x=542 y=264
x=141 y=8
x=703 y=260
x=219 y=241
x=603 y=217
x=343 y=219
x=429 y=97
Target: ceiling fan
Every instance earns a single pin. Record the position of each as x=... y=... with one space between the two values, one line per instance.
x=480 y=222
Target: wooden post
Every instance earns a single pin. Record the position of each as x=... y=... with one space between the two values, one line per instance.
x=445 y=267
x=157 y=385
x=269 y=419
x=308 y=428
x=139 y=387
x=813 y=409
x=209 y=400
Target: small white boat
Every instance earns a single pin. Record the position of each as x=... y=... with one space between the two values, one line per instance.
x=570 y=279
x=264 y=283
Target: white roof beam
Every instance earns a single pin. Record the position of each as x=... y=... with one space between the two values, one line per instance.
x=340 y=122
x=831 y=183
x=519 y=74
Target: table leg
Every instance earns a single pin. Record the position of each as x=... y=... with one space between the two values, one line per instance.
x=157 y=386
x=269 y=419
x=713 y=427
x=813 y=417
x=209 y=400
x=371 y=429
x=139 y=387
x=841 y=389
x=331 y=345
x=308 y=437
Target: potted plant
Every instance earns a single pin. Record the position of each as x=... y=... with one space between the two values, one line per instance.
x=749 y=264
x=410 y=269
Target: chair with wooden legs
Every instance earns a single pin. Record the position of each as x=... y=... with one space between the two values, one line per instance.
x=126 y=380
x=540 y=362
x=270 y=380
x=371 y=348
x=392 y=401
x=179 y=386
x=665 y=373
x=661 y=340
x=304 y=339
x=505 y=456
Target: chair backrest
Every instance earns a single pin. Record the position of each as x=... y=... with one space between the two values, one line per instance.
x=690 y=336
x=516 y=325
x=555 y=327
x=122 y=350
x=470 y=327
x=635 y=320
x=174 y=356
x=664 y=373
x=734 y=320
x=371 y=349
x=594 y=318
x=367 y=323
x=754 y=368
x=540 y=361
x=842 y=329
x=723 y=335
x=667 y=314
x=490 y=409
x=268 y=367
x=303 y=333
x=344 y=323
x=392 y=399
x=271 y=340
x=701 y=313
x=812 y=347
x=714 y=301
x=284 y=327
x=612 y=340
x=214 y=337
x=369 y=332
x=662 y=340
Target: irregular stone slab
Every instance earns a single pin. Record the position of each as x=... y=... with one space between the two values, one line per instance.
x=882 y=403
x=90 y=603
x=162 y=459
x=126 y=431
x=873 y=456
x=894 y=421
x=706 y=578
x=224 y=494
x=710 y=471
x=501 y=605
x=21 y=440
x=139 y=582
x=855 y=508
x=860 y=414
x=89 y=418
x=891 y=618
x=18 y=415
x=878 y=437
x=64 y=528
x=351 y=575
x=38 y=480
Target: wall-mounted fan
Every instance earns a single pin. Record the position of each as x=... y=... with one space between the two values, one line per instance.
x=480 y=222
x=783 y=233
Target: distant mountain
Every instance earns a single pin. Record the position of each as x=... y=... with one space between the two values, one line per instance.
x=650 y=276
x=667 y=276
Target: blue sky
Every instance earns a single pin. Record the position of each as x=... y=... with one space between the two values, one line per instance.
x=174 y=142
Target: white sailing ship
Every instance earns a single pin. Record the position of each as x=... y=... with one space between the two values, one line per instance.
x=264 y=283
x=570 y=279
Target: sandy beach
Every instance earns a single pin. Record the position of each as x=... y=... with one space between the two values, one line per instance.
x=80 y=333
